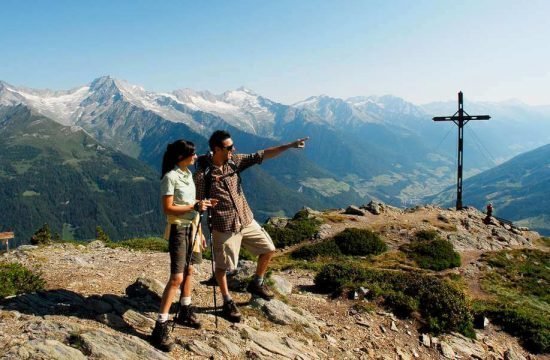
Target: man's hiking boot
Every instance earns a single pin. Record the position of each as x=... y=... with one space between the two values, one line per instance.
x=160 y=338
x=187 y=317
x=262 y=290
x=231 y=312
x=210 y=282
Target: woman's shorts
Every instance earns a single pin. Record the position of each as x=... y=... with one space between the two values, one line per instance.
x=180 y=244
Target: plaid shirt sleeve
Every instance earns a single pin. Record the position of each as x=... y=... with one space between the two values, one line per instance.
x=200 y=184
x=244 y=161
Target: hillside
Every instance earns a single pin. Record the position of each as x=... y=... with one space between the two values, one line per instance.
x=55 y=174
x=518 y=189
x=99 y=313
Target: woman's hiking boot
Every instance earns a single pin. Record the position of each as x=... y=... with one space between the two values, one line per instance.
x=160 y=338
x=187 y=317
x=231 y=312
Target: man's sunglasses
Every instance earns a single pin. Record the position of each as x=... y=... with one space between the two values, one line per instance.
x=229 y=147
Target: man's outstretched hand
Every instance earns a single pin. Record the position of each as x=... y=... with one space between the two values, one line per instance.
x=300 y=143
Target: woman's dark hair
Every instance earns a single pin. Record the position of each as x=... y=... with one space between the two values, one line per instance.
x=217 y=139
x=176 y=152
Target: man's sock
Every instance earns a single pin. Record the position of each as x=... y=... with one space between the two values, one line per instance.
x=162 y=318
x=258 y=280
x=186 y=300
x=227 y=298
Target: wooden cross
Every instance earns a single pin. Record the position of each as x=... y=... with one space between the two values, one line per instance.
x=460 y=119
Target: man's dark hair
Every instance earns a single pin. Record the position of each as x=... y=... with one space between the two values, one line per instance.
x=217 y=139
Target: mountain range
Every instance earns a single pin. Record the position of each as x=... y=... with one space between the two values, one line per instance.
x=361 y=148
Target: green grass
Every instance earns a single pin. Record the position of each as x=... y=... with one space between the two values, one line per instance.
x=16 y=279
x=519 y=281
x=141 y=244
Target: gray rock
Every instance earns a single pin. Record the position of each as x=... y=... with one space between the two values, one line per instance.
x=200 y=348
x=95 y=304
x=225 y=346
x=27 y=247
x=137 y=320
x=272 y=343
x=447 y=351
x=280 y=313
x=112 y=320
x=465 y=346
x=425 y=340
x=402 y=354
x=354 y=210
x=116 y=302
x=103 y=345
x=393 y=326
x=374 y=207
x=146 y=288
x=240 y=278
x=278 y=222
x=281 y=285
x=96 y=244
x=511 y=354
x=45 y=349
x=55 y=330
x=307 y=213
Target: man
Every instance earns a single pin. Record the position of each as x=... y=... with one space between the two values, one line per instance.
x=233 y=223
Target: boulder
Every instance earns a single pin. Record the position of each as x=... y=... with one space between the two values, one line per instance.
x=44 y=349
x=278 y=222
x=240 y=277
x=100 y=344
x=307 y=213
x=281 y=285
x=447 y=351
x=374 y=207
x=354 y=210
x=137 y=320
x=280 y=313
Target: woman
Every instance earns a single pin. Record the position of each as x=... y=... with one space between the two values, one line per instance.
x=183 y=234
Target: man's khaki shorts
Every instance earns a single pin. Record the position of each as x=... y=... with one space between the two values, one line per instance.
x=227 y=245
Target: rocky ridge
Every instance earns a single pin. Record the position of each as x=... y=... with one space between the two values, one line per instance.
x=100 y=303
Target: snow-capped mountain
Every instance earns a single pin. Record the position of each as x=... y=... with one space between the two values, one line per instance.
x=336 y=112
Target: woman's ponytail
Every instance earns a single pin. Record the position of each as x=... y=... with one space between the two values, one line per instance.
x=175 y=152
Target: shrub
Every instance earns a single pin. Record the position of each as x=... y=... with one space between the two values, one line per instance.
x=360 y=242
x=435 y=254
x=42 y=236
x=442 y=305
x=311 y=252
x=101 y=235
x=16 y=279
x=142 y=244
x=427 y=235
x=295 y=232
x=333 y=277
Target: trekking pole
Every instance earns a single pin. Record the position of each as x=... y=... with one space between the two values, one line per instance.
x=186 y=269
x=210 y=238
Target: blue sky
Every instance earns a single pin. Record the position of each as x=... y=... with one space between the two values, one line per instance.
x=285 y=50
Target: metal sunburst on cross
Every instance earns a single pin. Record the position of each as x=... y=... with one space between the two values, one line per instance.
x=460 y=120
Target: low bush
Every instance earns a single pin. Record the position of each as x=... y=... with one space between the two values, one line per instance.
x=311 y=252
x=441 y=304
x=42 y=236
x=426 y=235
x=360 y=242
x=141 y=244
x=295 y=232
x=16 y=279
x=437 y=254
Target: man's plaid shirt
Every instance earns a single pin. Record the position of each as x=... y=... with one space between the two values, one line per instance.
x=232 y=212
